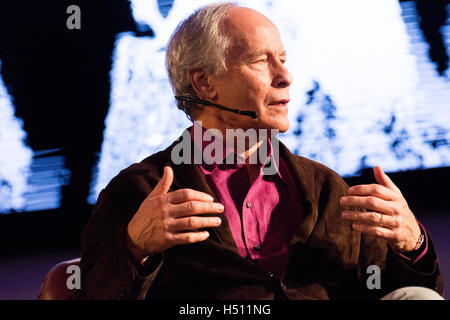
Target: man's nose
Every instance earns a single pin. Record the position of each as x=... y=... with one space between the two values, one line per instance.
x=282 y=77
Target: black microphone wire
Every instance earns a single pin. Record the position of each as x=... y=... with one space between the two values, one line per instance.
x=250 y=114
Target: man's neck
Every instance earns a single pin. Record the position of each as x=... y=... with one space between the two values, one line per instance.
x=251 y=145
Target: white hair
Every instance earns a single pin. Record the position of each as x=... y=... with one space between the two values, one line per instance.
x=197 y=42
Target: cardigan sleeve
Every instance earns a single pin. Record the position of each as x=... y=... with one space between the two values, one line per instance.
x=396 y=270
x=108 y=270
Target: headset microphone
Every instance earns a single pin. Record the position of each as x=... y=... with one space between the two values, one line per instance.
x=250 y=114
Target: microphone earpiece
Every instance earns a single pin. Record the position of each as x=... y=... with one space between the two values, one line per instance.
x=250 y=114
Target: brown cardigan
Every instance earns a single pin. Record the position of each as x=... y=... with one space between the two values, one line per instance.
x=328 y=260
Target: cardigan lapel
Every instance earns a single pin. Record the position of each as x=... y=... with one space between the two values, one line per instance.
x=190 y=176
x=305 y=182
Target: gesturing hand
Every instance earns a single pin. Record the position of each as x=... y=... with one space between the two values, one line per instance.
x=388 y=215
x=166 y=219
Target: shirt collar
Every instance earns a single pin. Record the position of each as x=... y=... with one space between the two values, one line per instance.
x=200 y=141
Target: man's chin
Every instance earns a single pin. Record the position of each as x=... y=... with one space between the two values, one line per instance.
x=284 y=128
x=281 y=126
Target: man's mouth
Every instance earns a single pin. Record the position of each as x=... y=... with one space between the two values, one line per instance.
x=279 y=103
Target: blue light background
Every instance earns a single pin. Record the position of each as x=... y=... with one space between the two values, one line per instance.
x=365 y=93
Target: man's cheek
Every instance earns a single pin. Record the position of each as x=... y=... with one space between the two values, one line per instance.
x=256 y=86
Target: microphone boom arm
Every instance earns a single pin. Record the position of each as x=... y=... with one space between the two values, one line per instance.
x=250 y=114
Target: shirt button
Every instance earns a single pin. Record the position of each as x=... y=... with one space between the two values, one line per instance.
x=270 y=275
x=257 y=248
x=248 y=204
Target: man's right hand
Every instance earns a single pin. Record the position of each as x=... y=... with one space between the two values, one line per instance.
x=166 y=219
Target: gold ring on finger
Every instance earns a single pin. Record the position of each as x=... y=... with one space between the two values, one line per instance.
x=380 y=223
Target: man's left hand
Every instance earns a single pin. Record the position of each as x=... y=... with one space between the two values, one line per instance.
x=387 y=213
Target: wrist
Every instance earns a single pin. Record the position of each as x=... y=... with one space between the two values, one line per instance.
x=420 y=240
x=416 y=242
x=139 y=254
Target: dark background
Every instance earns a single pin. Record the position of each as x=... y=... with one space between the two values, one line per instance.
x=59 y=82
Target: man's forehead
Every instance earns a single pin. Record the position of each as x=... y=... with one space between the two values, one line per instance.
x=243 y=18
x=250 y=31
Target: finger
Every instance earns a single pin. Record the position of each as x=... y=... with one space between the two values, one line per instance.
x=368 y=202
x=374 y=231
x=383 y=179
x=368 y=217
x=374 y=189
x=191 y=208
x=184 y=195
x=190 y=237
x=195 y=222
x=164 y=183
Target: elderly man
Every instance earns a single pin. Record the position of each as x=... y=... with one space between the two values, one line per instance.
x=223 y=229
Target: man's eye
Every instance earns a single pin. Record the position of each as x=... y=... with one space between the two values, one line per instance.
x=261 y=61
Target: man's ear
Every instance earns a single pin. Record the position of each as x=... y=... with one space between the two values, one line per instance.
x=201 y=83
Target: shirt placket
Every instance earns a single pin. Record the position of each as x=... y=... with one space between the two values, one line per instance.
x=249 y=223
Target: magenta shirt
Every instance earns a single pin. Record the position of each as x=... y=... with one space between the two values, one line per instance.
x=262 y=216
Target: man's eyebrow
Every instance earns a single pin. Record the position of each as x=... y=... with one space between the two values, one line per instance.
x=256 y=53
x=263 y=52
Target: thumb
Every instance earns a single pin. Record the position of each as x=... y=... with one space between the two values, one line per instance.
x=164 y=183
x=383 y=179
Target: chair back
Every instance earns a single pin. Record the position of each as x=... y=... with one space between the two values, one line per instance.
x=54 y=286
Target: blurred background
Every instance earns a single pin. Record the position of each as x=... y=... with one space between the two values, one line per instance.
x=84 y=93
